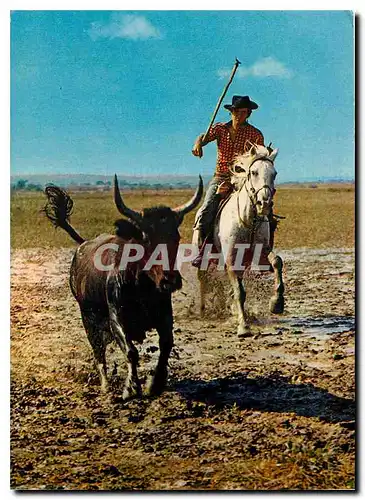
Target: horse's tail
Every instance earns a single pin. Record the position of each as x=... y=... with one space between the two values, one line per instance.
x=58 y=210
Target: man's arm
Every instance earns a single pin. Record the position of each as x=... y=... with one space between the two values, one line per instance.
x=199 y=143
x=198 y=146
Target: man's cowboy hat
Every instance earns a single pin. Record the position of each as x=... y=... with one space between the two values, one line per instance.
x=239 y=101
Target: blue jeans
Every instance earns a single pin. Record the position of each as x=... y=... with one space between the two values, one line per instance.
x=208 y=210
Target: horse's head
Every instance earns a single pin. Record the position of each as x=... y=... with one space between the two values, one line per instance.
x=255 y=172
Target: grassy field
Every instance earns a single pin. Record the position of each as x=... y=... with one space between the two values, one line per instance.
x=315 y=217
x=273 y=411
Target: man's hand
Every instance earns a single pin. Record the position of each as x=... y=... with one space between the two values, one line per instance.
x=198 y=148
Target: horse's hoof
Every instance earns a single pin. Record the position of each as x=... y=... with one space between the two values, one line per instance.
x=277 y=305
x=244 y=332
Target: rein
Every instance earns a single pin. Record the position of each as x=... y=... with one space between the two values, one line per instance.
x=252 y=194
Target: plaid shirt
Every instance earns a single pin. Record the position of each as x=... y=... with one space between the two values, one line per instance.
x=227 y=149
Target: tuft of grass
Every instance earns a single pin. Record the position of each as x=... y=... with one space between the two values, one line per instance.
x=322 y=217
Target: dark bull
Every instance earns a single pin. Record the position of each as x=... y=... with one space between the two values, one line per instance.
x=122 y=305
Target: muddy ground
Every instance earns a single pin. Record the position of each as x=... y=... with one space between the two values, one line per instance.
x=271 y=411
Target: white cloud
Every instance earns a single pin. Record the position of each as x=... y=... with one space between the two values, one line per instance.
x=126 y=26
x=223 y=73
x=268 y=66
x=263 y=68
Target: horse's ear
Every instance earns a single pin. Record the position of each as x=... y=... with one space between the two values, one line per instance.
x=273 y=154
x=253 y=150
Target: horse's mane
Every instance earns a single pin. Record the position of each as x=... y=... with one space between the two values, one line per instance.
x=242 y=161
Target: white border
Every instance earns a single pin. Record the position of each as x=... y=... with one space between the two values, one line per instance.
x=4 y=186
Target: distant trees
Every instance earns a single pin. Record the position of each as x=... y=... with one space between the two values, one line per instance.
x=99 y=185
x=25 y=185
x=21 y=184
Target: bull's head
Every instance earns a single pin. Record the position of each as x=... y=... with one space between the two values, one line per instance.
x=159 y=224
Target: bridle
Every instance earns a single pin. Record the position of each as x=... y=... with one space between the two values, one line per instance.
x=252 y=192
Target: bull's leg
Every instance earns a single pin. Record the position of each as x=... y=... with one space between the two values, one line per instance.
x=132 y=386
x=202 y=277
x=239 y=297
x=277 y=300
x=97 y=341
x=166 y=342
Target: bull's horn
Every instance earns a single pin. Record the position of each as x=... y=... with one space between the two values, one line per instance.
x=123 y=209
x=193 y=202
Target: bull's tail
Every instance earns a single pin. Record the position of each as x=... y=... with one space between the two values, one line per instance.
x=58 y=210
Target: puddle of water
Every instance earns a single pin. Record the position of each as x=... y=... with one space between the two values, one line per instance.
x=321 y=326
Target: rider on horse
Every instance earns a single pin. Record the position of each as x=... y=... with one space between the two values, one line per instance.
x=233 y=138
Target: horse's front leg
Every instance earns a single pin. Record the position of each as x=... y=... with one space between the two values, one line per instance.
x=239 y=297
x=277 y=300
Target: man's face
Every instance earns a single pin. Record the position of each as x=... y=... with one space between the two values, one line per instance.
x=241 y=114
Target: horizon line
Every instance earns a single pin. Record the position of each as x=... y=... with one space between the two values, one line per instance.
x=162 y=176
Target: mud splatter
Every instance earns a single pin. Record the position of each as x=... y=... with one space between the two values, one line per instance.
x=272 y=411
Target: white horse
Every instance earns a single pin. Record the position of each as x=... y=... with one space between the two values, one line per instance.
x=243 y=221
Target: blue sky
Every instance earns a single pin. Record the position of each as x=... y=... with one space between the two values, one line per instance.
x=129 y=91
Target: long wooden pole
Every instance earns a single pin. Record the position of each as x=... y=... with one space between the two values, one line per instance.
x=236 y=64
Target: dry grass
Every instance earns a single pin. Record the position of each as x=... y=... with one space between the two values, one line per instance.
x=321 y=217
x=315 y=218
x=316 y=471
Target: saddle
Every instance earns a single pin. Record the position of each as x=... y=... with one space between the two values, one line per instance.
x=225 y=189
